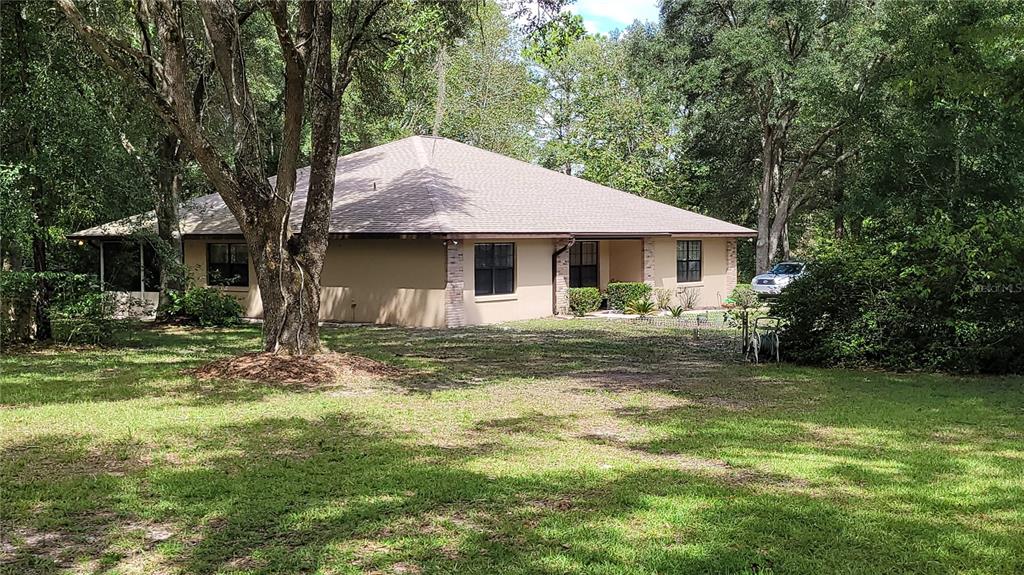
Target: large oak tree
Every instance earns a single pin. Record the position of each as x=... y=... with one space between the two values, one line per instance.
x=321 y=46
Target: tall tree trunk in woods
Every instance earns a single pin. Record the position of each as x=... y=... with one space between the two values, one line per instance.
x=22 y=316
x=777 y=191
x=838 y=194
x=168 y=196
x=44 y=289
x=442 y=71
x=767 y=192
x=287 y=264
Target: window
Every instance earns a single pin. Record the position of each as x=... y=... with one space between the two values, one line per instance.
x=495 y=268
x=227 y=265
x=583 y=264
x=688 y=258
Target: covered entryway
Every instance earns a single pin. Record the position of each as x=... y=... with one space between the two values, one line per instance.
x=598 y=262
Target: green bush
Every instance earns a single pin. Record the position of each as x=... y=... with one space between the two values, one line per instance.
x=89 y=318
x=19 y=292
x=642 y=307
x=584 y=300
x=743 y=297
x=936 y=296
x=621 y=293
x=203 y=306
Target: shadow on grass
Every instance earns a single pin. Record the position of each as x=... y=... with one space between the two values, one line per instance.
x=286 y=495
x=147 y=363
x=611 y=358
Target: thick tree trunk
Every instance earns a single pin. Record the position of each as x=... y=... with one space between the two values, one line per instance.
x=291 y=304
x=44 y=289
x=287 y=266
x=168 y=195
x=767 y=192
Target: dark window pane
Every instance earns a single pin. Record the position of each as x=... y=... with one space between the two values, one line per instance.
x=589 y=276
x=494 y=266
x=589 y=253
x=504 y=281
x=218 y=254
x=688 y=260
x=583 y=264
x=484 y=282
x=503 y=256
x=484 y=256
x=239 y=254
x=227 y=264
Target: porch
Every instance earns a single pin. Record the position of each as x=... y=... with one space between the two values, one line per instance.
x=598 y=262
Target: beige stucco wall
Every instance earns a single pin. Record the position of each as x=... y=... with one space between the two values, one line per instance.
x=402 y=281
x=389 y=281
x=533 y=295
x=712 y=286
x=627 y=260
x=384 y=281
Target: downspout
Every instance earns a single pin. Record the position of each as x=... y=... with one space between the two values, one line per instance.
x=554 y=273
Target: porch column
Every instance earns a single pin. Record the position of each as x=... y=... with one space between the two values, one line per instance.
x=561 y=279
x=730 y=266
x=649 y=262
x=454 y=284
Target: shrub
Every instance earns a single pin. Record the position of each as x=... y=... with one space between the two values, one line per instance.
x=935 y=296
x=663 y=297
x=584 y=300
x=89 y=318
x=621 y=293
x=743 y=297
x=641 y=307
x=203 y=306
x=688 y=297
x=20 y=291
x=676 y=311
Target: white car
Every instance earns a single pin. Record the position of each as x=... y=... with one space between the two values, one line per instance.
x=777 y=278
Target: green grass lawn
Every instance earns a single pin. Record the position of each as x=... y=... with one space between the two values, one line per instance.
x=539 y=447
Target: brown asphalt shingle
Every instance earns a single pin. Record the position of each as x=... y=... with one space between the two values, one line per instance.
x=433 y=185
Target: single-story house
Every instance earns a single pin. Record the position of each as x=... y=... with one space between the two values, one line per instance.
x=426 y=231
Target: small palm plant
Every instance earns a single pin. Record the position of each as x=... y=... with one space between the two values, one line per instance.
x=641 y=306
x=676 y=311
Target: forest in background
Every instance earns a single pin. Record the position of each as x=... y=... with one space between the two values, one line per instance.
x=883 y=140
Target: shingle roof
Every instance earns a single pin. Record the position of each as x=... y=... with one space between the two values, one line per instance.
x=427 y=185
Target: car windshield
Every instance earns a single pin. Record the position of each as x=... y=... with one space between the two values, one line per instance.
x=788 y=269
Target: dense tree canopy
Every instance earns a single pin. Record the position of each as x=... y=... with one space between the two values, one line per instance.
x=814 y=122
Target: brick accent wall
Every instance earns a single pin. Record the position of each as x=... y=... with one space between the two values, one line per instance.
x=731 y=269
x=455 y=283
x=561 y=279
x=649 y=261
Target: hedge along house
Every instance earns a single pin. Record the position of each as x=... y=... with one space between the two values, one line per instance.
x=429 y=232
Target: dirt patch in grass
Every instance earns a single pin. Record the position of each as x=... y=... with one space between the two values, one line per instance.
x=292 y=370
